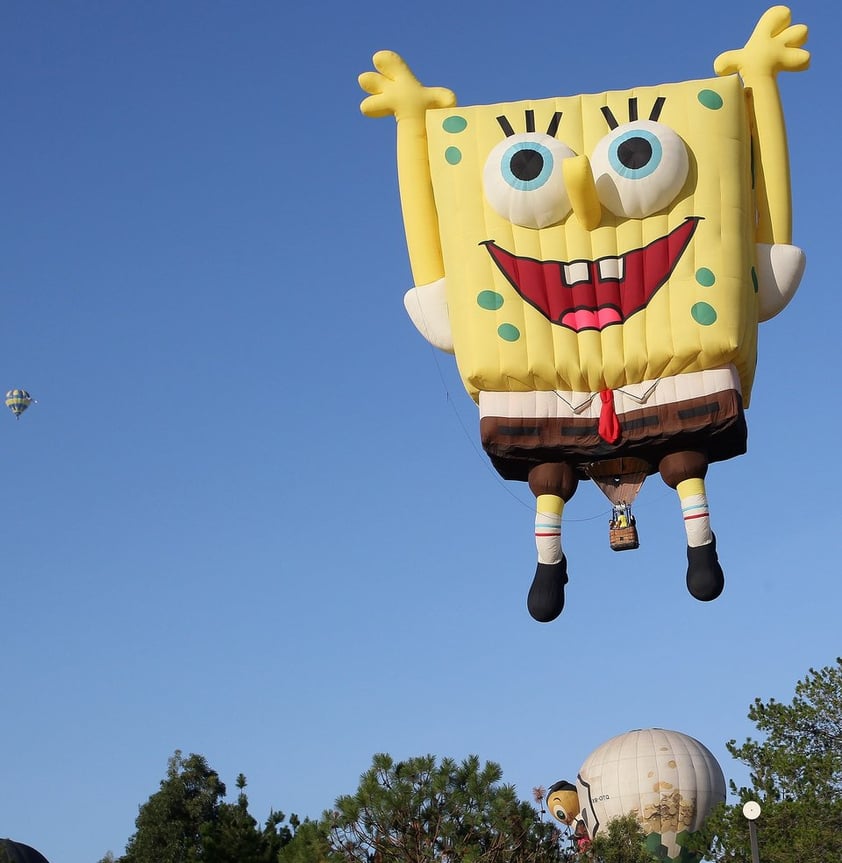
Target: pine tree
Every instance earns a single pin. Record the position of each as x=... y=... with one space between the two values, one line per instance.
x=188 y=821
x=795 y=775
x=418 y=811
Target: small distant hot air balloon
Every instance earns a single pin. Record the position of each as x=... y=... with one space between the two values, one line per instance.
x=17 y=401
x=668 y=780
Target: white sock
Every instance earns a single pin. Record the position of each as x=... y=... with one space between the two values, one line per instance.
x=694 y=508
x=548 y=536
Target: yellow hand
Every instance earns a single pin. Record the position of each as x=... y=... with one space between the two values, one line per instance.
x=774 y=46
x=395 y=90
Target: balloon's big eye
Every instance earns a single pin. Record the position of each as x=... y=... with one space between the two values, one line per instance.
x=639 y=168
x=637 y=152
x=527 y=166
x=523 y=180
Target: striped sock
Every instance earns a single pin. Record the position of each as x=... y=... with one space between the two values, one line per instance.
x=694 y=509
x=548 y=509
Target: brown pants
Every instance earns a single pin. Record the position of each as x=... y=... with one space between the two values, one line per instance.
x=714 y=425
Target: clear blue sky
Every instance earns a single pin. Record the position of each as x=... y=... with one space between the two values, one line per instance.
x=234 y=523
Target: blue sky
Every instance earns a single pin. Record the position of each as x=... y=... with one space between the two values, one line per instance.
x=235 y=522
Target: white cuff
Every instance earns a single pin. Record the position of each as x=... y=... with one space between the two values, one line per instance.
x=779 y=271
x=427 y=308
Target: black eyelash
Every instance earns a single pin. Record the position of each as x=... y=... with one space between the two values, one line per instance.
x=656 y=109
x=506 y=126
x=653 y=114
x=609 y=117
x=529 y=118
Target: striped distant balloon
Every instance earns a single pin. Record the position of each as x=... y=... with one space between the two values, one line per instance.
x=17 y=401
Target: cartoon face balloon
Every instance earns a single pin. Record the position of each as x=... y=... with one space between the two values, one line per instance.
x=599 y=264
x=667 y=779
x=656 y=282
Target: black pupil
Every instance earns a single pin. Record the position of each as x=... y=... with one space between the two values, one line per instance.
x=635 y=152
x=526 y=164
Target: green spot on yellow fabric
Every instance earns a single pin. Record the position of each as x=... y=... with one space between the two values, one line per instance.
x=454 y=124
x=703 y=313
x=489 y=300
x=453 y=155
x=705 y=277
x=710 y=99
x=508 y=332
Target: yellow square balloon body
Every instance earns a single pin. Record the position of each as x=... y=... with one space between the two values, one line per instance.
x=703 y=316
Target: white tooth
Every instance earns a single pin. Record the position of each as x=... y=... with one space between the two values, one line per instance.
x=576 y=272
x=611 y=268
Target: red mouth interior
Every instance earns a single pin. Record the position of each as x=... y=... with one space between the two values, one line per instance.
x=595 y=302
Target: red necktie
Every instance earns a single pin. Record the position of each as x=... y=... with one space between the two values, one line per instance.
x=609 y=425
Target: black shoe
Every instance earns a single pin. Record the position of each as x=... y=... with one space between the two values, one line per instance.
x=546 y=596
x=705 y=579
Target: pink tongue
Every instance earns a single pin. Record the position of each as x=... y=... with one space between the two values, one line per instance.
x=585 y=319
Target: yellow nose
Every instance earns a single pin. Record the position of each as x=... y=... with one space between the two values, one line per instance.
x=578 y=178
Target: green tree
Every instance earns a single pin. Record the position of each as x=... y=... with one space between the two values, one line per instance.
x=188 y=821
x=172 y=824
x=233 y=835
x=310 y=844
x=795 y=774
x=418 y=811
x=277 y=835
x=622 y=841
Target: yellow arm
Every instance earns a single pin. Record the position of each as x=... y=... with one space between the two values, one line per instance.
x=774 y=46
x=395 y=90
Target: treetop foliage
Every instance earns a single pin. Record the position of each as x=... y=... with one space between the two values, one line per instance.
x=188 y=821
x=795 y=775
x=802 y=753
x=623 y=841
x=419 y=811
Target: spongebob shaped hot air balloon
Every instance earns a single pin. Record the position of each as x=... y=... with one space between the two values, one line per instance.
x=668 y=780
x=599 y=264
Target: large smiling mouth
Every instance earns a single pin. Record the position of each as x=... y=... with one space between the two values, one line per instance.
x=591 y=295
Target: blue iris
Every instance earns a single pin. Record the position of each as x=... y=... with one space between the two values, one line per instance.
x=635 y=154
x=527 y=165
